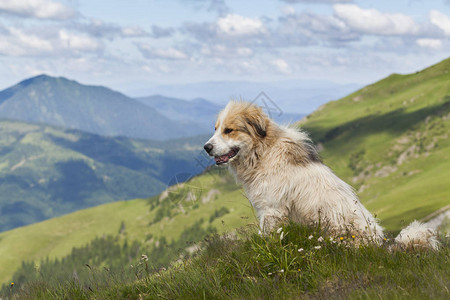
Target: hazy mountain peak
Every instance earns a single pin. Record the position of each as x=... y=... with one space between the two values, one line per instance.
x=96 y=109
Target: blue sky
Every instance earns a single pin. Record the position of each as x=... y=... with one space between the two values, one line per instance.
x=132 y=45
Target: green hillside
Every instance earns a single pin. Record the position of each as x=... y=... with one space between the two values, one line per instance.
x=47 y=171
x=389 y=140
x=166 y=216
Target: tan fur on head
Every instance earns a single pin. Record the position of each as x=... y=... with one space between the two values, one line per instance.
x=245 y=117
x=283 y=176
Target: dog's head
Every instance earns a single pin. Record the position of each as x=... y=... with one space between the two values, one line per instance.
x=239 y=126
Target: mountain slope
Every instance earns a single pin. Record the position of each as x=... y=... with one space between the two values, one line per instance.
x=390 y=140
x=47 y=171
x=146 y=220
x=95 y=109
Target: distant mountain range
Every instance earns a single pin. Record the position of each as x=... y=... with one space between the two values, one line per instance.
x=291 y=96
x=94 y=109
x=47 y=171
x=100 y=110
x=205 y=112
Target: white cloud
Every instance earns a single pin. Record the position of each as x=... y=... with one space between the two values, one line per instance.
x=282 y=66
x=372 y=21
x=41 y=9
x=220 y=50
x=161 y=53
x=429 y=43
x=77 y=42
x=440 y=20
x=133 y=32
x=20 y=42
x=236 y=25
x=288 y=10
x=100 y=29
x=306 y=29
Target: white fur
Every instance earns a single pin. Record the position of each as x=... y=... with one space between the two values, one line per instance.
x=304 y=193
x=417 y=235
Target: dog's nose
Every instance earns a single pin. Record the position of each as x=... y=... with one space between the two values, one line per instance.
x=208 y=147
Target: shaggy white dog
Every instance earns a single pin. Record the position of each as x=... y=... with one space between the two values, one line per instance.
x=283 y=177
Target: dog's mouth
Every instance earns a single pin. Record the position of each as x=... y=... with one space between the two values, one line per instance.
x=226 y=157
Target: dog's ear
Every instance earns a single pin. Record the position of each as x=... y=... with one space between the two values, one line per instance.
x=256 y=120
x=259 y=127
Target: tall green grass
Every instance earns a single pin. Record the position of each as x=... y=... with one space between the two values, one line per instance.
x=294 y=262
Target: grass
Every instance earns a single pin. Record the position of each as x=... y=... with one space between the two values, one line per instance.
x=295 y=262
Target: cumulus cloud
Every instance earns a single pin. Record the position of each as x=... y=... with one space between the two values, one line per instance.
x=99 y=29
x=161 y=53
x=233 y=30
x=441 y=21
x=40 y=9
x=237 y=25
x=288 y=10
x=224 y=51
x=429 y=43
x=281 y=66
x=49 y=41
x=310 y=29
x=76 y=41
x=372 y=21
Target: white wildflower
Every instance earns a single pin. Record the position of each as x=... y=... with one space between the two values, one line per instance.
x=144 y=257
x=300 y=250
x=320 y=239
x=310 y=237
x=279 y=230
x=282 y=271
x=281 y=236
x=269 y=273
x=317 y=247
x=331 y=239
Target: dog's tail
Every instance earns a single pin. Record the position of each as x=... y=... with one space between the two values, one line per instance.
x=417 y=235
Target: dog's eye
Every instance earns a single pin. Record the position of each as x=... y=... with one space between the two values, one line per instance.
x=215 y=128
x=227 y=130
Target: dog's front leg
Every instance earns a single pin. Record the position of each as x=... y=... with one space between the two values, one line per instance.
x=269 y=219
